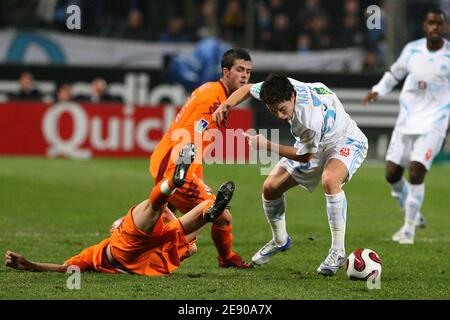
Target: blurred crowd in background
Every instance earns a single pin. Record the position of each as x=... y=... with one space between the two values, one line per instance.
x=98 y=92
x=277 y=25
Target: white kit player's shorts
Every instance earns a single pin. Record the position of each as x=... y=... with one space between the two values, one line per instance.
x=421 y=148
x=351 y=150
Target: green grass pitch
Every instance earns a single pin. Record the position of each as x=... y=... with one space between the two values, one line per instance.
x=51 y=209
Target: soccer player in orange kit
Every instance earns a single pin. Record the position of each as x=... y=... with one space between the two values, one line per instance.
x=193 y=120
x=142 y=243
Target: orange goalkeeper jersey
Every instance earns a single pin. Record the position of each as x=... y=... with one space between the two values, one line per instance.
x=194 y=118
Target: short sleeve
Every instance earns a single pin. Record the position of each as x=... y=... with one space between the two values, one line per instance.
x=400 y=67
x=255 y=90
x=84 y=260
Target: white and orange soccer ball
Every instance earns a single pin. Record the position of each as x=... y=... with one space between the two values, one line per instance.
x=363 y=264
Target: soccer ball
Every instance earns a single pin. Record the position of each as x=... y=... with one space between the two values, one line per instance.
x=362 y=264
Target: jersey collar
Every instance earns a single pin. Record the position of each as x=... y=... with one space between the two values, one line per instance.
x=224 y=88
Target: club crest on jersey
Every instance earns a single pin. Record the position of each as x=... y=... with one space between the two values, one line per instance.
x=428 y=154
x=201 y=125
x=345 y=152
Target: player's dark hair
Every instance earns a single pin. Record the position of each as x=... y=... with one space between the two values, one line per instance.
x=234 y=54
x=435 y=11
x=276 y=89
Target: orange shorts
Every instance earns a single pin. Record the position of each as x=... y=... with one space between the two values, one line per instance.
x=192 y=193
x=152 y=254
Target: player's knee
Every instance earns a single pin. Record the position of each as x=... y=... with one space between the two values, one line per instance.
x=330 y=184
x=270 y=190
x=417 y=174
x=393 y=173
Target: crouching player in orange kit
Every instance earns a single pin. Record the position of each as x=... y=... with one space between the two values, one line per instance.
x=142 y=243
x=193 y=120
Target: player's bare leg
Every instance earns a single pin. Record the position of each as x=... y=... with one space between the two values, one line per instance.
x=333 y=177
x=401 y=192
x=274 y=204
x=399 y=186
x=413 y=202
x=147 y=213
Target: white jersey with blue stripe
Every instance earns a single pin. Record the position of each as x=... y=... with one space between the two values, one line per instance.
x=319 y=119
x=425 y=96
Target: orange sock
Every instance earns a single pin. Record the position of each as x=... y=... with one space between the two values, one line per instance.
x=160 y=193
x=223 y=240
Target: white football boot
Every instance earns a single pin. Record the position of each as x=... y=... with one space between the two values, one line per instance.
x=396 y=237
x=265 y=254
x=406 y=237
x=421 y=224
x=332 y=262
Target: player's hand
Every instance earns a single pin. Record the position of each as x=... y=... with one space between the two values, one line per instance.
x=116 y=224
x=371 y=97
x=220 y=115
x=257 y=142
x=17 y=261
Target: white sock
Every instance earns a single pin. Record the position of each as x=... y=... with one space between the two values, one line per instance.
x=413 y=204
x=275 y=214
x=399 y=191
x=337 y=217
x=165 y=189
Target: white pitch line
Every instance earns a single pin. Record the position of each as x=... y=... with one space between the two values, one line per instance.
x=427 y=240
x=50 y=234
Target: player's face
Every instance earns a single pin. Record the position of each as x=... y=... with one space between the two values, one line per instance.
x=285 y=110
x=238 y=75
x=434 y=26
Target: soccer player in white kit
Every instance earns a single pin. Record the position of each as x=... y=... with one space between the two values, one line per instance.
x=423 y=119
x=329 y=148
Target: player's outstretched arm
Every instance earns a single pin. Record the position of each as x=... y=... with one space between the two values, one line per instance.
x=260 y=142
x=17 y=261
x=221 y=114
x=370 y=97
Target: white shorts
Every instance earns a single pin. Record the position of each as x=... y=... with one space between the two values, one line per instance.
x=421 y=148
x=348 y=150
